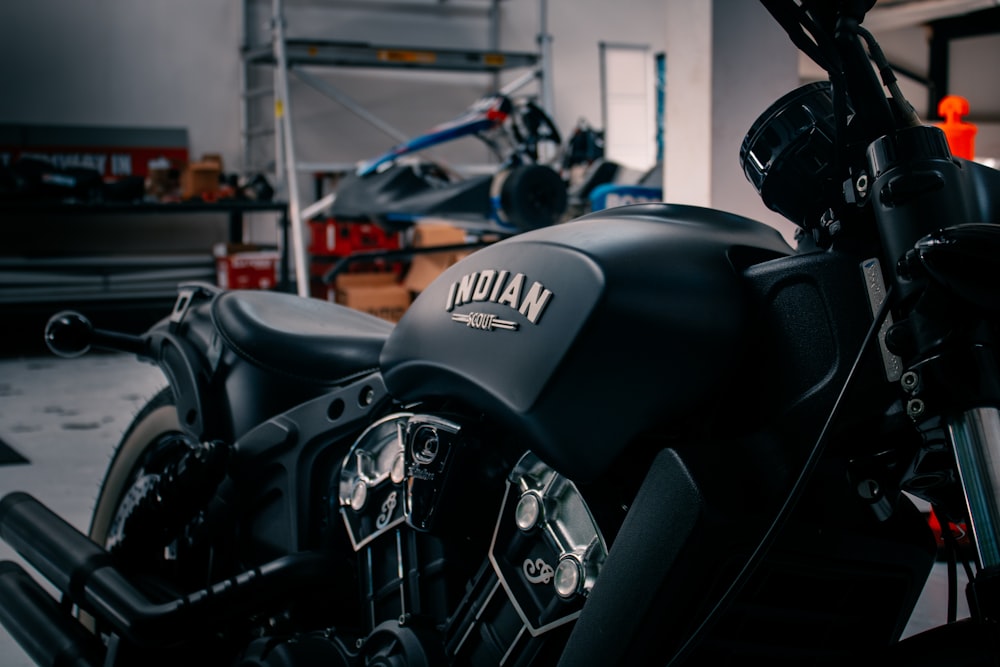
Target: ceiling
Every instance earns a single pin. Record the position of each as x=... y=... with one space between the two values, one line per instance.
x=895 y=14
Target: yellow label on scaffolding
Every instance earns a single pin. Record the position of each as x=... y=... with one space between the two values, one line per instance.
x=493 y=59
x=401 y=56
x=279 y=108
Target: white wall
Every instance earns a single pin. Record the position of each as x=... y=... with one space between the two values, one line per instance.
x=754 y=64
x=124 y=63
x=972 y=73
x=176 y=64
x=727 y=61
x=688 y=141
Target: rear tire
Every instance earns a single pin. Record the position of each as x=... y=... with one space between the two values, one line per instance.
x=157 y=422
x=154 y=431
x=145 y=516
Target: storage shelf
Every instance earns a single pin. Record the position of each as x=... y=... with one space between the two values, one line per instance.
x=348 y=54
x=66 y=275
x=46 y=280
x=72 y=207
x=96 y=263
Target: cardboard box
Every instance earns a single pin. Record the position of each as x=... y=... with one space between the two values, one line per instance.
x=241 y=266
x=378 y=294
x=201 y=178
x=424 y=268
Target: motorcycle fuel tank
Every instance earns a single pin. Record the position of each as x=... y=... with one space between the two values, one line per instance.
x=578 y=336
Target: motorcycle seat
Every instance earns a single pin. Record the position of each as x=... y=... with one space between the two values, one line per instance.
x=309 y=339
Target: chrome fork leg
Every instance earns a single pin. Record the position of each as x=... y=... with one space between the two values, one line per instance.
x=975 y=435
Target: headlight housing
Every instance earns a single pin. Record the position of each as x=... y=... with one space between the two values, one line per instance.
x=788 y=154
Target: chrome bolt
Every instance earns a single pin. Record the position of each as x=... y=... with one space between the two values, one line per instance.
x=367 y=397
x=528 y=512
x=359 y=496
x=861 y=185
x=397 y=473
x=568 y=577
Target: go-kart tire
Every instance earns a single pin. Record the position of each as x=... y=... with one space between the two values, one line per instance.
x=533 y=196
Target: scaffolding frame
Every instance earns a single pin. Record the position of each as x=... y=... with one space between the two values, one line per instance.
x=289 y=56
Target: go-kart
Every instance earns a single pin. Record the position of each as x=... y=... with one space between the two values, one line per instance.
x=395 y=191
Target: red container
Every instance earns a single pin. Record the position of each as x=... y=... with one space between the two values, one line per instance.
x=332 y=237
x=245 y=267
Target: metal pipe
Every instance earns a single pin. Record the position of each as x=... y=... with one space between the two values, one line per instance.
x=975 y=435
x=545 y=51
x=349 y=103
x=283 y=112
x=47 y=634
x=84 y=572
x=521 y=82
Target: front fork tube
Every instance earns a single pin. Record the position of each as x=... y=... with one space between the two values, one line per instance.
x=975 y=436
x=962 y=384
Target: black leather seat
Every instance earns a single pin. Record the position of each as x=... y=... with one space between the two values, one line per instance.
x=314 y=340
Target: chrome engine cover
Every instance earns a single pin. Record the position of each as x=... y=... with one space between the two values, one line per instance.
x=395 y=473
x=546 y=550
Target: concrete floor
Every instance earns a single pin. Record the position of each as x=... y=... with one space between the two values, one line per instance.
x=65 y=417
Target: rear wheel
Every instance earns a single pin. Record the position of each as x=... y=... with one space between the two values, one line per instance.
x=150 y=507
x=148 y=512
x=151 y=442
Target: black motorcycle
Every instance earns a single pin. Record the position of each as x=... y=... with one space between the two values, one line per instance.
x=653 y=435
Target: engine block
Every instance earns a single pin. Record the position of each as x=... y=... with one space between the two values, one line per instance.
x=535 y=571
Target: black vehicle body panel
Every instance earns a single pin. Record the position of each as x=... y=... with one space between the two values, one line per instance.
x=395 y=196
x=270 y=351
x=635 y=312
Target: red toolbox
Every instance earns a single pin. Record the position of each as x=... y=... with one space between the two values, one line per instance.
x=333 y=237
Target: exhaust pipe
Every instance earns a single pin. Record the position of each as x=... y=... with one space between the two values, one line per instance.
x=48 y=635
x=85 y=573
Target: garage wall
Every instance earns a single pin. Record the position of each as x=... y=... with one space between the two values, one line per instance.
x=971 y=74
x=176 y=64
x=124 y=63
x=754 y=64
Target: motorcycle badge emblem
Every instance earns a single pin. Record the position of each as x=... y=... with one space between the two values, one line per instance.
x=387 y=508
x=537 y=571
x=484 y=321
x=500 y=287
x=428 y=450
